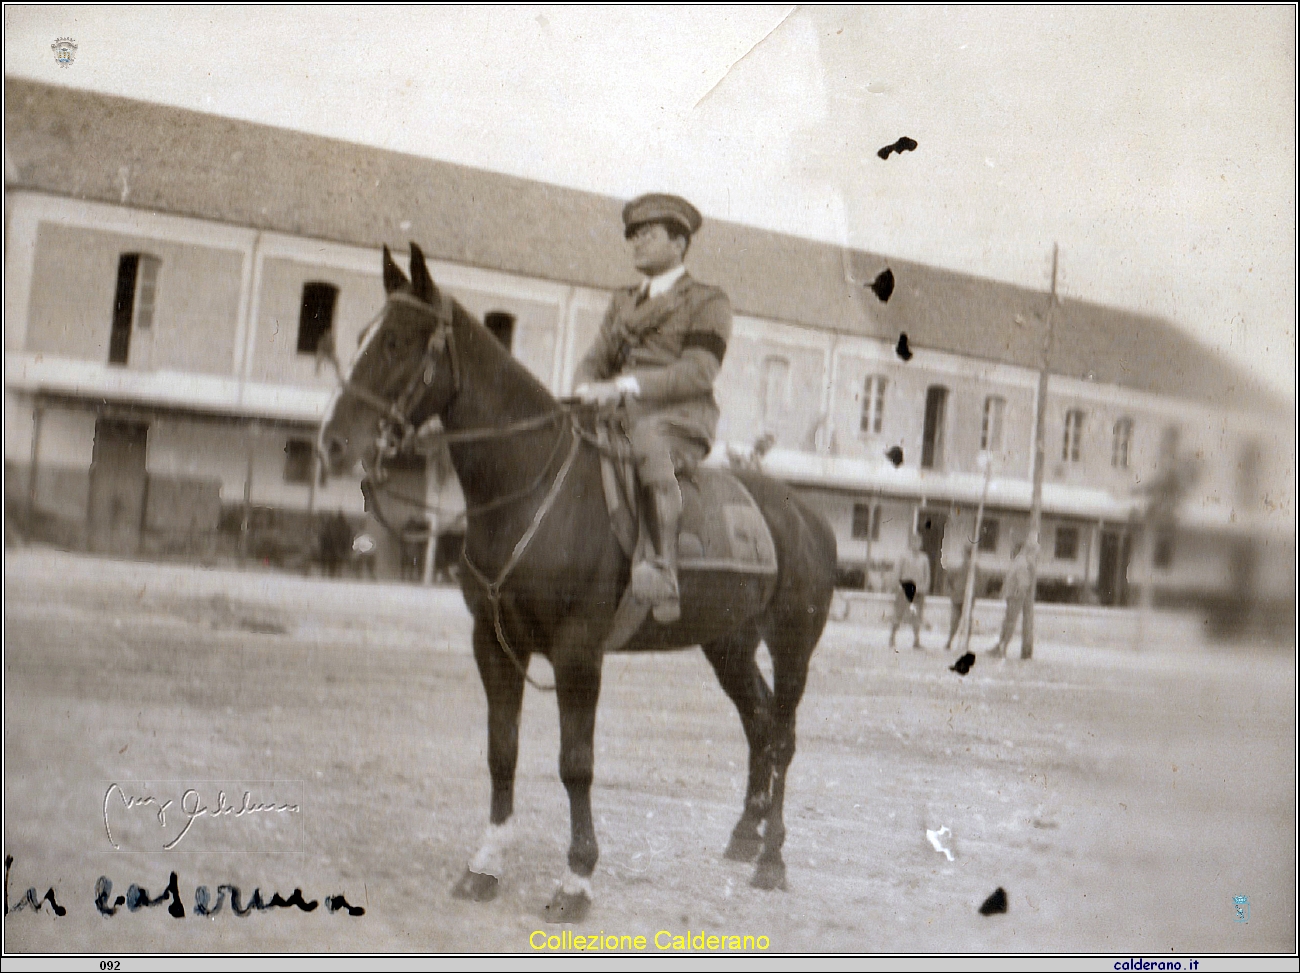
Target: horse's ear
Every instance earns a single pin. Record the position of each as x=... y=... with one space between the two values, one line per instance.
x=421 y=280
x=394 y=279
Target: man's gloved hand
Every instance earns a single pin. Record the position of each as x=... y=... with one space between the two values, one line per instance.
x=608 y=393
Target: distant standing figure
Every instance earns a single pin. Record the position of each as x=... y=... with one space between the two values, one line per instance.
x=1015 y=588
x=955 y=582
x=336 y=536
x=909 y=596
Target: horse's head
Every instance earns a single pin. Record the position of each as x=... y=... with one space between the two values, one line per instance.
x=404 y=372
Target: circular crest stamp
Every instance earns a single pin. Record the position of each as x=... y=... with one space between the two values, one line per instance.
x=65 y=51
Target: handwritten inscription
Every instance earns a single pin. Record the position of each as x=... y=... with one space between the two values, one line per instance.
x=128 y=808
x=137 y=898
x=28 y=900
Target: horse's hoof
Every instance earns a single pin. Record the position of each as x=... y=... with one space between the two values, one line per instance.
x=769 y=876
x=568 y=906
x=741 y=849
x=476 y=887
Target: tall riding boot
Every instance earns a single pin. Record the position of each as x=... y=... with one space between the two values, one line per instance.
x=656 y=581
x=668 y=515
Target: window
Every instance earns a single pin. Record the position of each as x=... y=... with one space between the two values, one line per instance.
x=1122 y=443
x=297 y=461
x=146 y=289
x=1250 y=462
x=1072 y=441
x=1162 y=555
x=866 y=522
x=1067 y=543
x=989 y=530
x=1169 y=438
x=776 y=383
x=133 y=302
x=873 y=403
x=502 y=326
x=936 y=408
x=991 y=430
x=316 y=318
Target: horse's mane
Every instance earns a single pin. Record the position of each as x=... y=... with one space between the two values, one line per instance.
x=501 y=367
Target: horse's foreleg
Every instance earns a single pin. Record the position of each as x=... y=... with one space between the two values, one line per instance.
x=733 y=659
x=577 y=663
x=504 y=685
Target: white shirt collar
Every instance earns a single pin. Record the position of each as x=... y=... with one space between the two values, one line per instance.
x=663 y=283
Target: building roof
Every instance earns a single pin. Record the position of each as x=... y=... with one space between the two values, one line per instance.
x=109 y=149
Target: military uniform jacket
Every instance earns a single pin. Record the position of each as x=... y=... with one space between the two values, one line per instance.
x=674 y=345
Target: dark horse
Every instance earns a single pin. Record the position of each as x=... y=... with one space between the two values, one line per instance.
x=546 y=571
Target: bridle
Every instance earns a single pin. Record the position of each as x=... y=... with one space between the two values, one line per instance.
x=396 y=431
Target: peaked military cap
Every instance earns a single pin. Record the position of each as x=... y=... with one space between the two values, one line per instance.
x=660 y=208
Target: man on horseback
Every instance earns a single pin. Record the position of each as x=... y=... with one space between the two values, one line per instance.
x=657 y=354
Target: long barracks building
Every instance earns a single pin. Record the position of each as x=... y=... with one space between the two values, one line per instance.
x=169 y=275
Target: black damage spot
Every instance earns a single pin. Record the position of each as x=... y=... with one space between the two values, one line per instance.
x=995 y=903
x=904 y=144
x=883 y=285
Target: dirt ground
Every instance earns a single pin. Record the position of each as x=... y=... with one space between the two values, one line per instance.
x=1122 y=799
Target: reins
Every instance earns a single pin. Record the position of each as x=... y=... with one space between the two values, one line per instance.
x=480 y=435
x=493 y=588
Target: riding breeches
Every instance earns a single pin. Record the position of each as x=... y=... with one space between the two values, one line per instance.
x=664 y=444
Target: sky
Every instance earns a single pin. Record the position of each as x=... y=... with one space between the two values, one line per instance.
x=1156 y=146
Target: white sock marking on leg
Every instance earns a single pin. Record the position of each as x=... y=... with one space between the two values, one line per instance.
x=488 y=860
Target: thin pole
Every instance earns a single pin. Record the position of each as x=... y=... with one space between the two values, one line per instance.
x=315 y=479
x=872 y=507
x=1040 y=451
x=968 y=604
x=245 y=526
x=38 y=416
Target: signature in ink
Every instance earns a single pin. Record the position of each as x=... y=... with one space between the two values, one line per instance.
x=191 y=808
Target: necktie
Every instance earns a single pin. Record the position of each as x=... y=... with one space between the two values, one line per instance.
x=643 y=294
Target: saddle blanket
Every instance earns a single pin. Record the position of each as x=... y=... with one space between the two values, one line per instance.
x=722 y=528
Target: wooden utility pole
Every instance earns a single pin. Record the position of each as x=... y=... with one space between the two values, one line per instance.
x=246 y=524
x=967 y=622
x=1040 y=451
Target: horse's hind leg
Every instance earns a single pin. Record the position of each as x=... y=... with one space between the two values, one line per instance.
x=503 y=682
x=791 y=636
x=733 y=659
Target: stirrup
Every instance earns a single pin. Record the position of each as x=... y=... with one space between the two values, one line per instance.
x=655 y=582
x=667 y=611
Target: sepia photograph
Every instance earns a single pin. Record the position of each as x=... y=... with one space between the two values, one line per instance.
x=674 y=481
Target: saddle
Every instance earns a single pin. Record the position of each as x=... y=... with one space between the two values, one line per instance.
x=721 y=529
